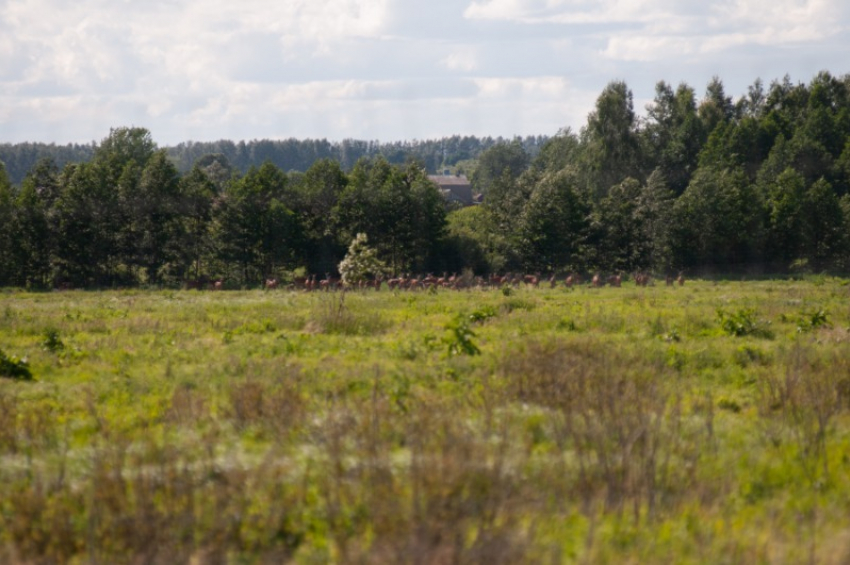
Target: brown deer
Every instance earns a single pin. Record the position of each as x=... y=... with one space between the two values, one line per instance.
x=376 y=282
x=532 y=280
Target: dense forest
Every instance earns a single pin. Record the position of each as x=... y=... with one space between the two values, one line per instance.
x=760 y=184
x=288 y=155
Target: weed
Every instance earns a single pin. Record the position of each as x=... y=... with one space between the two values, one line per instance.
x=458 y=338
x=408 y=350
x=256 y=327
x=620 y=423
x=482 y=314
x=334 y=316
x=566 y=324
x=672 y=336
x=13 y=368
x=810 y=321
x=51 y=341
x=802 y=402
x=517 y=303
x=743 y=323
x=747 y=355
x=278 y=407
x=657 y=327
x=730 y=405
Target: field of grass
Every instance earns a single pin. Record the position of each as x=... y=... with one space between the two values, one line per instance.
x=708 y=423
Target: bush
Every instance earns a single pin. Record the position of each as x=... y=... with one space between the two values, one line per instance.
x=458 y=338
x=810 y=321
x=14 y=368
x=51 y=340
x=743 y=323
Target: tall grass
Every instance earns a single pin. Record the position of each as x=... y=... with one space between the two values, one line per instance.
x=589 y=426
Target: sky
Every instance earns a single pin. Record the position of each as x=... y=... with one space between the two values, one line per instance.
x=388 y=70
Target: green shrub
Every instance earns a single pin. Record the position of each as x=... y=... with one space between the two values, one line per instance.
x=743 y=323
x=810 y=321
x=14 y=368
x=458 y=338
x=51 y=340
x=483 y=314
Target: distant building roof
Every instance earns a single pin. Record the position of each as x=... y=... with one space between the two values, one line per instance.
x=455 y=188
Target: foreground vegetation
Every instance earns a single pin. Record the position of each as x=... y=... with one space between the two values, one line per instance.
x=708 y=423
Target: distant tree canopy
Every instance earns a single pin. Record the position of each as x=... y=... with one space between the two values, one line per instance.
x=288 y=155
x=714 y=184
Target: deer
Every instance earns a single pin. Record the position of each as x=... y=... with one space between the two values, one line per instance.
x=532 y=280
x=328 y=283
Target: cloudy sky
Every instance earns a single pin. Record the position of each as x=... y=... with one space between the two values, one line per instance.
x=382 y=69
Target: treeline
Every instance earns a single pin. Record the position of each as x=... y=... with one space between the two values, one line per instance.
x=129 y=217
x=759 y=184
x=288 y=155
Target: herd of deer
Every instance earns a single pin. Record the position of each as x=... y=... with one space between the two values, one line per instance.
x=410 y=282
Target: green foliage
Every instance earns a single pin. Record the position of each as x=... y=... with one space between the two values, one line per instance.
x=483 y=314
x=13 y=368
x=400 y=208
x=554 y=227
x=612 y=150
x=52 y=341
x=812 y=320
x=458 y=339
x=508 y=160
x=730 y=405
x=743 y=322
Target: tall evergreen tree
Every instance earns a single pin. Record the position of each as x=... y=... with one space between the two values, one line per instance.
x=612 y=146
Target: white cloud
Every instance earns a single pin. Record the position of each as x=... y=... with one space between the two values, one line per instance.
x=648 y=30
x=462 y=60
x=376 y=68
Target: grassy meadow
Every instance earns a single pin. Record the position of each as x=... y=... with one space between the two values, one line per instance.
x=708 y=423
